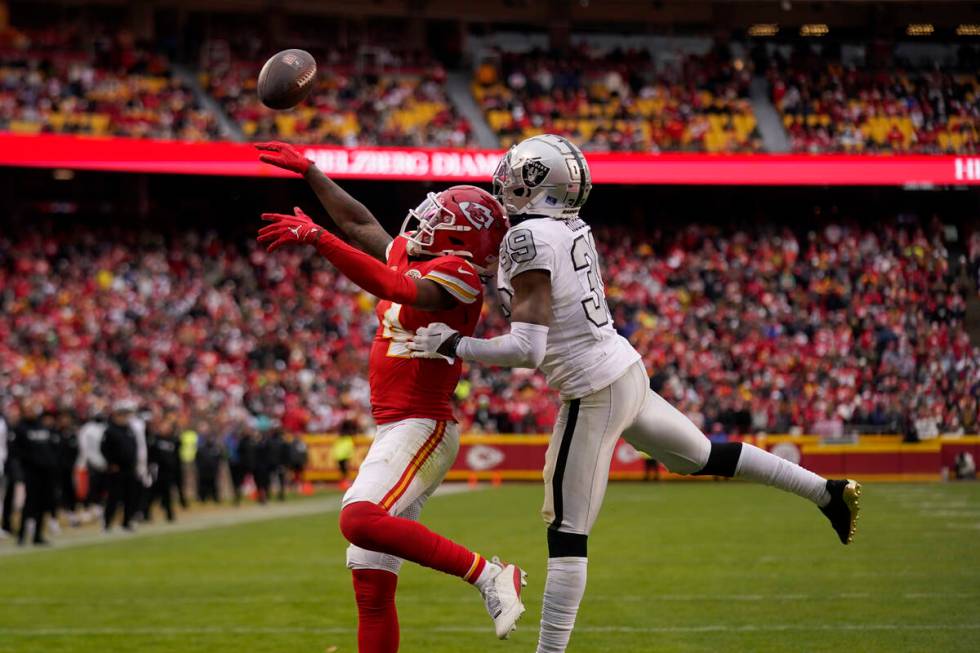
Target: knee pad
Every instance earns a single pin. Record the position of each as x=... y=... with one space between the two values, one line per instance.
x=359 y=521
x=722 y=460
x=567 y=545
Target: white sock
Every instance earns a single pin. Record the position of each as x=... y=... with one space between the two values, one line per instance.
x=490 y=571
x=563 y=592
x=761 y=466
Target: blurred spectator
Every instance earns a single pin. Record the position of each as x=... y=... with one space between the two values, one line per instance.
x=965 y=466
x=4 y=489
x=188 y=454
x=620 y=100
x=373 y=95
x=240 y=448
x=120 y=449
x=343 y=451
x=299 y=455
x=92 y=461
x=67 y=461
x=266 y=464
x=760 y=328
x=37 y=444
x=829 y=107
x=69 y=81
x=210 y=454
x=164 y=457
x=13 y=471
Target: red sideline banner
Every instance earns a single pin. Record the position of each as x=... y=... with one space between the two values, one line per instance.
x=240 y=159
x=513 y=457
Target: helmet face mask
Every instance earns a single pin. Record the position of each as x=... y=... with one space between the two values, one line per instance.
x=543 y=175
x=431 y=216
x=463 y=221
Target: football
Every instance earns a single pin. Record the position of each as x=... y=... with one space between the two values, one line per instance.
x=286 y=79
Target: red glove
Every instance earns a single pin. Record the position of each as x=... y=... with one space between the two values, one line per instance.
x=286 y=229
x=284 y=156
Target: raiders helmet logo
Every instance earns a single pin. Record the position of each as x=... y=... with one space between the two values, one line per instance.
x=478 y=215
x=533 y=173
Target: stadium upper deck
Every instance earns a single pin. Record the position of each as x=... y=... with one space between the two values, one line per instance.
x=640 y=94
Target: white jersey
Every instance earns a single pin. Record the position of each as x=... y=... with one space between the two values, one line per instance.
x=584 y=353
x=90 y=445
x=3 y=444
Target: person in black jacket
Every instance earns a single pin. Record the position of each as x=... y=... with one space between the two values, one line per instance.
x=281 y=459
x=208 y=462
x=67 y=457
x=266 y=462
x=164 y=458
x=37 y=445
x=240 y=448
x=120 y=450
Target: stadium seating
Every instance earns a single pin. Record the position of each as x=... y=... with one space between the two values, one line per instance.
x=108 y=83
x=373 y=96
x=764 y=329
x=836 y=108
x=619 y=100
x=63 y=82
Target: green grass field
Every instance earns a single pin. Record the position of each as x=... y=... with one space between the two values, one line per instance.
x=674 y=567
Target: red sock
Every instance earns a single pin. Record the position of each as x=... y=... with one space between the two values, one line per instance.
x=377 y=617
x=368 y=526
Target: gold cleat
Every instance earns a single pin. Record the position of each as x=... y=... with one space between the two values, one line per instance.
x=843 y=509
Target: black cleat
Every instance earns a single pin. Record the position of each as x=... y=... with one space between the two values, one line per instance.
x=842 y=511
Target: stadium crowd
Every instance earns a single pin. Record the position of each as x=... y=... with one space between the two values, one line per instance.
x=149 y=359
x=68 y=81
x=832 y=107
x=101 y=80
x=373 y=95
x=764 y=329
x=620 y=100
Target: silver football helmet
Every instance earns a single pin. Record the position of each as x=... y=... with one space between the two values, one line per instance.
x=543 y=175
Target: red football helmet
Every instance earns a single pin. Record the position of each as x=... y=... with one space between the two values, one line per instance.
x=460 y=221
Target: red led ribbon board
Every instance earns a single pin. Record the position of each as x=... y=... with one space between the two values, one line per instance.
x=404 y=164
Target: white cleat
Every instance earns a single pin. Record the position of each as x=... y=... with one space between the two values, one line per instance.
x=502 y=596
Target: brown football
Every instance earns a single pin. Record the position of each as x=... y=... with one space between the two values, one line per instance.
x=286 y=79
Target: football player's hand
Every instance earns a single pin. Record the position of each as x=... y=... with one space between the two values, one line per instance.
x=286 y=229
x=283 y=155
x=437 y=338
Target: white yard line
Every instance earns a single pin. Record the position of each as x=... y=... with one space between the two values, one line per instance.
x=339 y=630
x=194 y=522
x=646 y=598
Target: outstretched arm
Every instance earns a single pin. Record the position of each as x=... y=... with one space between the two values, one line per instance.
x=367 y=272
x=353 y=218
x=524 y=346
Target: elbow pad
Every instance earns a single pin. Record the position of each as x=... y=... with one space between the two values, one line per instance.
x=524 y=346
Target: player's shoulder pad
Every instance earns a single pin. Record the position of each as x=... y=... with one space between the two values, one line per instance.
x=457 y=276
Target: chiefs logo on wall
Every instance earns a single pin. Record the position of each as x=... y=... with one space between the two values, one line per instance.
x=482 y=457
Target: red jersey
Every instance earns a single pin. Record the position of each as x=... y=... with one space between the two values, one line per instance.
x=401 y=386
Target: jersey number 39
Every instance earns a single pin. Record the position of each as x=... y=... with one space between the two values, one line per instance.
x=584 y=257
